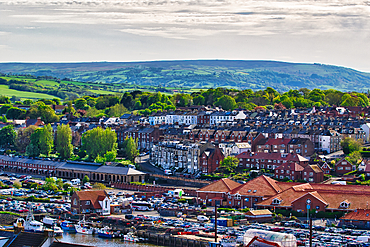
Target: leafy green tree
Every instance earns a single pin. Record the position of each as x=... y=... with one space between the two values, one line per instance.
x=17 y=185
x=287 y=102
x=350 y=145
x=15 y=113
x=45 y=112
x=354 y=157
x=316 y=95
x=41 y=142
x=85 y=179
x=98 y=142
x=229 y=164
x=131 y=149
x=46 y=139
x=27 y=102
x=99 y=186
x=198 y=100
x=81 y=103
x=4 y=109
x=59 y=183
x=64 y=141
x=4 y=99
x=116 y=110
x=50 y=184
x=226 y=102
x=110 y=156
x=7 y=136
x=23 y=138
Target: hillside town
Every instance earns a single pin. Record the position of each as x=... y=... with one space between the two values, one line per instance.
x=266 y=165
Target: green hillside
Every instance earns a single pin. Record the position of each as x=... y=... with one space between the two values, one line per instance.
x=201 y=74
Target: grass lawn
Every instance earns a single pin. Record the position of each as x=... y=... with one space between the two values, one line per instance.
x=4 y=90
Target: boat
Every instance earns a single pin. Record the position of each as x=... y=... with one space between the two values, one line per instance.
x=130 y=237
x=67 y=226
x=49 y=221
x=81 y=227
x=30 y=224
x=57 y=230
x=107 y=232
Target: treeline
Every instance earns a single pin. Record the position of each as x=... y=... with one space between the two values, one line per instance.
x=146 y=103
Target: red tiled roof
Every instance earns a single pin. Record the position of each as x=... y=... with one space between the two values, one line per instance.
x=222 y=185
x=260 y=186
x=290 y=167
x=92 y=195
x=358 y=214
x=277 y=141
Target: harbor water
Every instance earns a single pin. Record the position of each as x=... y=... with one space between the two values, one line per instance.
x=91 y=240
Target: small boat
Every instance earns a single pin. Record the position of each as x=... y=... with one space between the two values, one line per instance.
x=49 y=221
x=81 y=227
x=67 y=226
x=130 y=237
x=30 y=224
x=107 y=232
x=57 y=230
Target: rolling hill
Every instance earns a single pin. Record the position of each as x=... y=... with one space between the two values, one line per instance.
x=203 y=74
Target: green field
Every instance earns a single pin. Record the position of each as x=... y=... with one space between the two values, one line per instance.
x=4 y=90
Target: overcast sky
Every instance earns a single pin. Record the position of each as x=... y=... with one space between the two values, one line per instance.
x=323 y=31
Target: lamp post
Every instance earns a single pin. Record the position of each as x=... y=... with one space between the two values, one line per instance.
x=308 y=206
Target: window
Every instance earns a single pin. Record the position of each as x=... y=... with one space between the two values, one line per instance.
x=75 y=202
x=305 y=173
x=276 y=201
x=238 y=197
x=317 y=207
x=87 y=203
x=311 y=173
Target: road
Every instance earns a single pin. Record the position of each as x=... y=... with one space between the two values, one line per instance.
x=143 y=161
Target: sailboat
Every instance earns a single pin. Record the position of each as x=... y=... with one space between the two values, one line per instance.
x=82 y=228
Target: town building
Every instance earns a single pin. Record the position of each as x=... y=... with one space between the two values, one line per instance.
x=90 y=201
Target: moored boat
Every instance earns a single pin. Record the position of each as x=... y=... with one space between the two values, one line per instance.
x=67 y=226
x=107 y=232
x=82 y=228
x=30 y=224
x=130 y=237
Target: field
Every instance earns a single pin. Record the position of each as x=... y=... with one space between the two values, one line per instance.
x=4 y=90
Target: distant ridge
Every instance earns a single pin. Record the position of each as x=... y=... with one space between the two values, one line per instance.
x=241 y=74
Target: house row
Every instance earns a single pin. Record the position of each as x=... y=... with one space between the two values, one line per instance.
x=266 y=193
x=193 y=158
x=71 y=169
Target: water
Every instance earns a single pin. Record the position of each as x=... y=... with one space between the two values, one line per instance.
x=91 y=240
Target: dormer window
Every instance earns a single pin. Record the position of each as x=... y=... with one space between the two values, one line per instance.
x=229 y=195
x=276 y=201
x=344 y=204
x=238 y=196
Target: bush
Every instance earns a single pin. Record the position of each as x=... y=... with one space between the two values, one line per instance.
x=10 y=213
x=226 y=209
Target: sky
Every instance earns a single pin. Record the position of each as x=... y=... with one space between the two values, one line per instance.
x=335 y=32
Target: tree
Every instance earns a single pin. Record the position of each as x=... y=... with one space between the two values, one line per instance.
x=27 y=102
x=85 y=179
x=45 y=112
x=15 y=113
x=131 y=149
x=116 y=110
x=229 y=164
x=41 y=142
x=7 y=136
x=350 y=145
x=17 y=185
x=99 y=186
x=98 y=142
x=4 y=109
x=226 y=102
x=81 y=103
x=354 y=157
x=198 y=100
x=64 y=141
x=46 y=140
x=24 y=137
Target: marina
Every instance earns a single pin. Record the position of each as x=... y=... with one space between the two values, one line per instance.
x=98 y=242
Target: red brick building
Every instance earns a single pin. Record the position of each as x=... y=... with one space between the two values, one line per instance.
x=344 y=166
x=90 y=201
x=210 y=158
x=216 y=191
x=272 y=145
x=360 y=218
x=268 y=160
